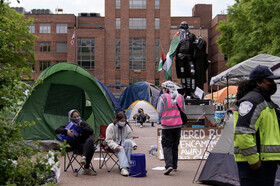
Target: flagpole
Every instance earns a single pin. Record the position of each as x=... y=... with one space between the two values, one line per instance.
x=75 y=45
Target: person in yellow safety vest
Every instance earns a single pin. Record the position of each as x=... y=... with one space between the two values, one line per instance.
x=257 y=134
x=171 y=124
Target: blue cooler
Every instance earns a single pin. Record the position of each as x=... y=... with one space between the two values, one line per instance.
x=219 y=116
x=137 y=165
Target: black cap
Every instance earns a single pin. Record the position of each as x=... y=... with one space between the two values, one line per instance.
x=260 y=72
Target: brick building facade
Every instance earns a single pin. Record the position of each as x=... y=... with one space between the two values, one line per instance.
x=125 y=45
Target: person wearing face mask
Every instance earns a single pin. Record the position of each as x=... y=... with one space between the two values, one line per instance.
x=257 y=134
x=83 y=144
x=120 y=139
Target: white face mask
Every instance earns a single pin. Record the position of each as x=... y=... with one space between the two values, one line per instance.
x=121 y=123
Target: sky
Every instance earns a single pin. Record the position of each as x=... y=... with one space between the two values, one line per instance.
x=178 y=7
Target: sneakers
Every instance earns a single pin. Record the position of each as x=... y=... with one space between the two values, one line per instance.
x=141 y=125
x=83 y=160
x=124 y=172
x=168 y=170
x=89 y=172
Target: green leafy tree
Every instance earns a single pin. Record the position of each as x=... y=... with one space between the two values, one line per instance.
x=20 y=164
x=252 y=27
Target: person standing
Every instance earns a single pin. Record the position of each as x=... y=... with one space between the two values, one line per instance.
x=83 y=144
x=120 y=139
x=171 y=123
x=257 y=135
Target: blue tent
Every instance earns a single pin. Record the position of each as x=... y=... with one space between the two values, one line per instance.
x=139 y=91
x=115 y=103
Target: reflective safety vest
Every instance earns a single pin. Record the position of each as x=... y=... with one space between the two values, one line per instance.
x=170 y=113
x=261 y=139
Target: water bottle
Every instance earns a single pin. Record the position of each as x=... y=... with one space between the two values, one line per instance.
x=76 y=172
x=152 y=124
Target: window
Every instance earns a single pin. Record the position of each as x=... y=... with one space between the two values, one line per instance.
x=61 y=28
x=118 y=54
x=45 y=28
x=157 y=23
x=131 y=81
x=45 y=47
x=157 y=82
x=137 y=23
x=137 y=53
x=31 y=28
x=61 y=47
x=61 y=62
x=157 y=53
x=118 y=81
x=118 y=4
x=156 y=4
x=118 y=23
x=86 y=52
x=44 y=65
x=137 y=4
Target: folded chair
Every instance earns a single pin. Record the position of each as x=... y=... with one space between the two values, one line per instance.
x=106 y=153
x=72 y=156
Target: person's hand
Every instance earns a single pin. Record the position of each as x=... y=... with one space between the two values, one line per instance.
x=70 y=133
x=256 y=166
x=134 y=147
x=118 y=148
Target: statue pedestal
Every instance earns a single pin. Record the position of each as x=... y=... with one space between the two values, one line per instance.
x=195 y=109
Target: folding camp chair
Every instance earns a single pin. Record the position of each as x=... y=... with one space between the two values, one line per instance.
x=72 y=156
x=106 y=153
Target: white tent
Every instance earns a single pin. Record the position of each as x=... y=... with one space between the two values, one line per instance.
x=240 y=72
x=146 y=106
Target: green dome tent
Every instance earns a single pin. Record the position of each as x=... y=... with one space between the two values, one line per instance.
x=65 y=86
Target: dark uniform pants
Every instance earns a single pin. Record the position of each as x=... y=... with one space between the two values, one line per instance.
x=264 y=176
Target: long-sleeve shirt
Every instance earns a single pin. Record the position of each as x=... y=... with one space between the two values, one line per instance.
x=111 y=135
x=84 y=135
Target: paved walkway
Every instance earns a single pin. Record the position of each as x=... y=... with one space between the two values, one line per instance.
x=147 y=137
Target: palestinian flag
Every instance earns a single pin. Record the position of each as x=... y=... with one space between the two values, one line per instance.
x=169 y=57
x=161 y=62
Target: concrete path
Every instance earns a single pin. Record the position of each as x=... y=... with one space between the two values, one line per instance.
x=147 y=137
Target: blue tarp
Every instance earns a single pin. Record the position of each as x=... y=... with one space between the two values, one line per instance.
x=115 y=103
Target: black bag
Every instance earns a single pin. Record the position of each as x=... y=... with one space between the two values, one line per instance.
x=183 y=115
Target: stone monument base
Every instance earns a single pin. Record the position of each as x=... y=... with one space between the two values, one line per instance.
x=196 y=111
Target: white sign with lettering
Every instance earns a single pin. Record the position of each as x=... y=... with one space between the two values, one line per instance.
x=193 y=142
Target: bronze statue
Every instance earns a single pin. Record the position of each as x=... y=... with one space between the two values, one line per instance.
x=191 y=60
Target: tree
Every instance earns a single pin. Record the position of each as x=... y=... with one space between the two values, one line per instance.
x=252 y=27
x=16 y=43
x=20 y=164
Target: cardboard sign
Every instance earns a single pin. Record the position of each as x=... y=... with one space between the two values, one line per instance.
x=193 y=142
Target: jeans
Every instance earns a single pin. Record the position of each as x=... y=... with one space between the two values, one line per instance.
x=265 y=175
x=170 y=141
x=124 y=154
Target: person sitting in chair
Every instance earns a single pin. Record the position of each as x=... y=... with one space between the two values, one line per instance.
x=141 y=117
x=119 y=138
x=82 y=144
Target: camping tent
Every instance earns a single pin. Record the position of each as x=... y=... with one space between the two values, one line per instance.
x=221 y=95
x=64 y=86
x=146 y=106
x=239 y=72
x=115 y=103
x=139 y=91
x=220 y=167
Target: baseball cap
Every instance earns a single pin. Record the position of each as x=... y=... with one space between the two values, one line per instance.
x=260 y=72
